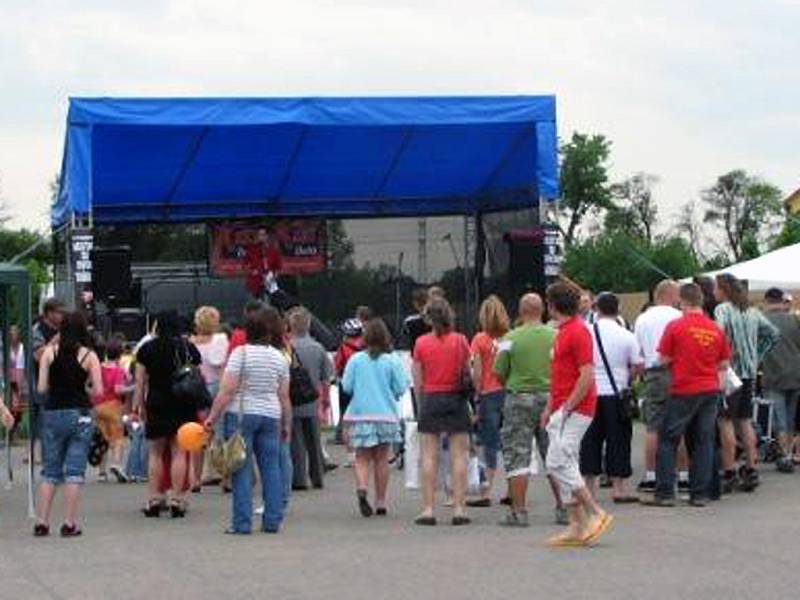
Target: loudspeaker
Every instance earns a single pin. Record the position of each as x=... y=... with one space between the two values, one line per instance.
x=111 y=274
x=526 y=250
x=131 y=323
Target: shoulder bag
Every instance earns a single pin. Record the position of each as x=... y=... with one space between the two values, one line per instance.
x=630 y=406
x=301 y=387
x=228 y=456
x=188 y=385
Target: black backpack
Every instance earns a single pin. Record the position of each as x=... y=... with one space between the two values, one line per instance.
x=301 y=387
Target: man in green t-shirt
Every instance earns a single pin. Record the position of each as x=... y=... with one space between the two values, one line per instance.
x=523 y=365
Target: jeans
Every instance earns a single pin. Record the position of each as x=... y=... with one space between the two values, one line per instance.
x=66 y=438
x=137 y=454
x=262 y=438
x=287 y=472
x=490 y=412
x=306 y=452
x=784 y=409
x=696 y=417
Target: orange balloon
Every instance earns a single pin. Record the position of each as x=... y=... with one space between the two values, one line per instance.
x=191 y=437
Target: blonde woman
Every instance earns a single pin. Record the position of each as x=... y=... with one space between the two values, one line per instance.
x=213 y=348
x=494 y=323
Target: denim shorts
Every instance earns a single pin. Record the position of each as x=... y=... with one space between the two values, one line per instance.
x=66 y=437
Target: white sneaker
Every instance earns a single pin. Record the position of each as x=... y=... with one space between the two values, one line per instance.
x=259 y=511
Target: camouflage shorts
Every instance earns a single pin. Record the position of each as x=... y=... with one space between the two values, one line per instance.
x=656 y=392
x=521 y=415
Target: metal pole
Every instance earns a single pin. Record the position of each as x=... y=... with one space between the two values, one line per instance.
x=4 y=323
x=25 y=294
x=398 y=319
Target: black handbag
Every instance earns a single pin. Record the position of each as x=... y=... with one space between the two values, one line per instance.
x=630 y=405
x=188 y=385
x=301 y=388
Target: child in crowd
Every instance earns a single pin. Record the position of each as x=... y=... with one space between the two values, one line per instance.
x=109 y=409
x=353 y=342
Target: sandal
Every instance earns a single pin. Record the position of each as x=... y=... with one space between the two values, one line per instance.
x=626 y=499
x=177 y=509
x=425 y=521
x=461 y=520
x=479 y=503
x=70 y=530
x=154 y=508
x=380 y=511
x=41 y=530
x=565 y=540
x=599 y=530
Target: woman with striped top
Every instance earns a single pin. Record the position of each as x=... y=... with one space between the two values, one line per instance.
x=254 y=396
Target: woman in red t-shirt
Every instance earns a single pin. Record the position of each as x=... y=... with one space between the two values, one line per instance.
x=441 y=364
x=494 y=323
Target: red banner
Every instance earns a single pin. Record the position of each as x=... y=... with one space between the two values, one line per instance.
x=301 y=243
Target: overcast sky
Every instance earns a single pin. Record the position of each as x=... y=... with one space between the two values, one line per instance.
x=686 y=89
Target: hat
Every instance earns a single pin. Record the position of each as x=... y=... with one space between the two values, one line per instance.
x=774 y=294
x=352 y=328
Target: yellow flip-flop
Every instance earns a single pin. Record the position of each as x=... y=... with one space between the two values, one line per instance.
x=601 y=528
x=564 y=540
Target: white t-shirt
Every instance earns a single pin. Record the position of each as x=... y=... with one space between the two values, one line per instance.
x=213 y=354
x=622 y=351
x=264 y=369
x=650 y=327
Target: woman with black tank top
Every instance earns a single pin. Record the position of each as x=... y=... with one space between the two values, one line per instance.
x=69 y=372
x=156 y=362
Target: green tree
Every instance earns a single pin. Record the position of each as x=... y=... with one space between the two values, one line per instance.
x=789 y=233
x=340 y=246
x=635 y=211
x=746 y=208
x=13 y=242
x=620 y=263
x=584 y=181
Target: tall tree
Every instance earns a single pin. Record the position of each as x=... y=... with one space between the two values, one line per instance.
x=746 y=208
x=635 y=211
x=620 y=263
x=584 y=181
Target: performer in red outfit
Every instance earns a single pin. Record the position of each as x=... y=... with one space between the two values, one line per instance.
x=264 y=262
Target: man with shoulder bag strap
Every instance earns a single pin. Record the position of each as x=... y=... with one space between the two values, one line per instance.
x=608 y=441
x=307 y=453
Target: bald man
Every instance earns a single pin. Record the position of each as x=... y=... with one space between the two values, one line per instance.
x=649 y=328
x=523 y=365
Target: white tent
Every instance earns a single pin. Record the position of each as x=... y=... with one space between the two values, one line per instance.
x=779 y=268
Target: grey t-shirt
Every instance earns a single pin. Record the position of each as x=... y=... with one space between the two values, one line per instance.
x=781 y=365
x=318 y=364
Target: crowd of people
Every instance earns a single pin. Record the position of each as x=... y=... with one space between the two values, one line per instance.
x=560 y=387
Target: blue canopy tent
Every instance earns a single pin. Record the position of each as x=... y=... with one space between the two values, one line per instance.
x=132 y=161
x=197 y=159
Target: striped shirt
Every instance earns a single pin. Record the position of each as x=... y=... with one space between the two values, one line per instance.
x=750 y=335
x=259 y=371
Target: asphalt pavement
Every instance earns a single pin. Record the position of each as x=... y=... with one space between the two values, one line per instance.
x=745 y=546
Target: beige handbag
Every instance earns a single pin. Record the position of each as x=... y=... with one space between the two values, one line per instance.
x=228 y=456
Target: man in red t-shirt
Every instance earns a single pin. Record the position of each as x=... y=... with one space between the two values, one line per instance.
x=697 y=353
x=263 y=261
x=573 y=399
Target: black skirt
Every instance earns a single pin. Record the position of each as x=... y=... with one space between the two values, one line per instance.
x=165 y=415
x=444 y=413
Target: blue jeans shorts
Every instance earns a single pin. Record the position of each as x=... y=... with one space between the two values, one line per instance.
x=66 y=438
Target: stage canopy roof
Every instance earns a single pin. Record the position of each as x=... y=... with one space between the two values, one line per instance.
x=192 y=159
